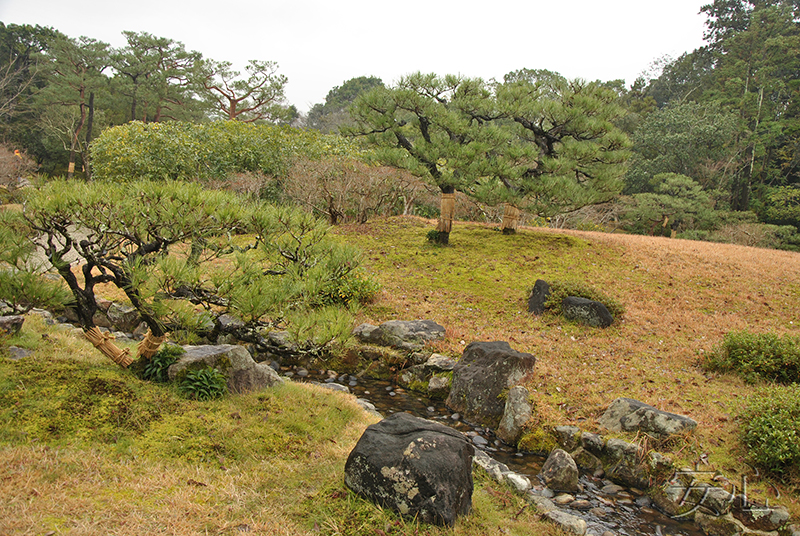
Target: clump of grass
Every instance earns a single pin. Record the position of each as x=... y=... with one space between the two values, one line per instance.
x=561 y=289
x=757 y=356
x=771 y=429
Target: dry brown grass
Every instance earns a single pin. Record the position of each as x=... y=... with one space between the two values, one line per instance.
x=681 y=298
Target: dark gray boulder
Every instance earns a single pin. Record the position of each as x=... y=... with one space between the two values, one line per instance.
x=629 y=415
x=589 y=312
x=416 y=467
x=487 y=370
x=409 y=335
x=539 y=295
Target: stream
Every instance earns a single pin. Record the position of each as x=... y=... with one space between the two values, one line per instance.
x=624 y=513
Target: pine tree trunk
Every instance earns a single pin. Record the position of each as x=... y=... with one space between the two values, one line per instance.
x=87 y=164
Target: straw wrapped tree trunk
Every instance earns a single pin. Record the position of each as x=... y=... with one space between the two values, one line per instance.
x=510 y=219
x=446 y=213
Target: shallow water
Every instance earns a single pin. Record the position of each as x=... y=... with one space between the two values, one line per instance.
x=626 y=514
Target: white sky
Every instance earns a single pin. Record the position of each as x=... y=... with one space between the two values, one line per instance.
x=319 y=44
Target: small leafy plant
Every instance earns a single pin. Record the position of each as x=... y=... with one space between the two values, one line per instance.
x=771 y=429
x=156 y=368
x=203 y=384
x=757 y=356
x=433 y=236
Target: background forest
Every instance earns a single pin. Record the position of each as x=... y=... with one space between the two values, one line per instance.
x=701 y=146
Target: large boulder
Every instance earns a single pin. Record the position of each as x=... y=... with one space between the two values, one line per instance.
x=590 y=312
x=629 y=415
x=485 y=372
x=242 y=372
x=416 y=467
x=409 y=335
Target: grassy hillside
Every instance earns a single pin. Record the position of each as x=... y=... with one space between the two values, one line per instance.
x=680 y=297
x=86 y=448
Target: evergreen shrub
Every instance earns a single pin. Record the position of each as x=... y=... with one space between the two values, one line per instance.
x=771 y=429
x=757 y=356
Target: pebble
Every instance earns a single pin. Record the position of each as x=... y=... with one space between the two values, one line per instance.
x=625 y=502
x=455 y=416
x=624 y=495
x=607 y=502
x=608 y=533
x=598 y=512
x=547 y=493
x=611 y=489
x=352 y=383
x=431 y=409
x=564 y=498
x=580 y=504
x=480 y=441
x=19 y=353
x=389 y=387
x=302 y=372
x=392 y=393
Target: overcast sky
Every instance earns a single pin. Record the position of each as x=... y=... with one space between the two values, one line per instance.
x=318 y=44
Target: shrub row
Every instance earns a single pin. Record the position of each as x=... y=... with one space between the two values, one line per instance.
x=205 y=151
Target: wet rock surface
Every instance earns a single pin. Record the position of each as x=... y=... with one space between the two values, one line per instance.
x=485 y=371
